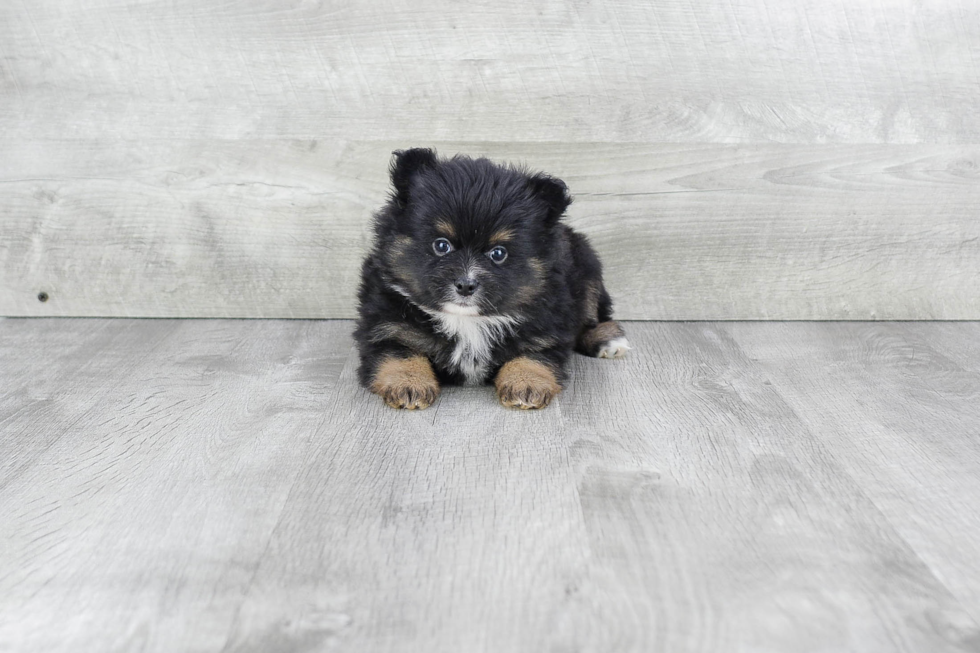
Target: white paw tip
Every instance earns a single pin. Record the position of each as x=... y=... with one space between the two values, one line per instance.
x=615 y=348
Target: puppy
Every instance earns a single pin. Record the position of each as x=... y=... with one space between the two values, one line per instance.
x=472 y=278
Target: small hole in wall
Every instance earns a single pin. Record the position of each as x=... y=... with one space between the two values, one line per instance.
x=42 y=297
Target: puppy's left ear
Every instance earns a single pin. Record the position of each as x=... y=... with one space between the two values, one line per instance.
x=405 y=164
x=553 y=192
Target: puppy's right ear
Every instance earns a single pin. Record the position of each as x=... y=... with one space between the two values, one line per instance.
x=405 y=165
x=554 y=192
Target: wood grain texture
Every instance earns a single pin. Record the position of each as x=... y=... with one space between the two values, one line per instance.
x=453 y=529
x=39 y=356
x=277 y=228
x=167 y=446
x=226 y=486
x=759 y=159
x=905 y=424
x=901 y=71
x=704 y=494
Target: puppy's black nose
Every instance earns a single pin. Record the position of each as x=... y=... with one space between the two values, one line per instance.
x=466 y=286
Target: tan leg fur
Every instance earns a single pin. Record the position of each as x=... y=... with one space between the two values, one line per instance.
x=526 y=383
x=406 y=382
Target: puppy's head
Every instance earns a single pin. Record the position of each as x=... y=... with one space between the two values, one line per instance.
x=467 y=236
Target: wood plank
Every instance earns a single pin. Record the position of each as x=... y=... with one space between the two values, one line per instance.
x=225 y=485
x=454 y=529
x=196 y=229
x=898 y=407
x=66 y=376
x=168 y=462
x=630 y=71
x=718 y=521
x=277 y=228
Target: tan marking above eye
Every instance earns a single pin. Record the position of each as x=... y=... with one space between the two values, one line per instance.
x=445 y=228
x=501 y=236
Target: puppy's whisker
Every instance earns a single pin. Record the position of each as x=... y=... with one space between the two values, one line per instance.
x=493 y=307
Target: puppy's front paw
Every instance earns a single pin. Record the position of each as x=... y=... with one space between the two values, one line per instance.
x=406 y=383
x=525 y=383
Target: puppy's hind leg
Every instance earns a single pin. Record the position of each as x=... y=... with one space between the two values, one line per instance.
x=604 y=340
x=602 y=337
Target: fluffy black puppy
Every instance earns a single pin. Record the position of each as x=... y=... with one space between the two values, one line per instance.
x=473 y=277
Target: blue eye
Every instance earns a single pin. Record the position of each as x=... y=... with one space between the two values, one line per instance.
x=497 y=254
x=441 y=246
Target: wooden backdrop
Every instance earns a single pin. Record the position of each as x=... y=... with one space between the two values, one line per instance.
x=731 y=159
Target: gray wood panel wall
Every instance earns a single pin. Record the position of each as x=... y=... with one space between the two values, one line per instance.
x=757 y=159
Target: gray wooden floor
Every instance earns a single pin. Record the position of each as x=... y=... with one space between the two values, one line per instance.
x=226 y=486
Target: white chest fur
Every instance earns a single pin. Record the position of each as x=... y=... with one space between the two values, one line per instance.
x=475 y=337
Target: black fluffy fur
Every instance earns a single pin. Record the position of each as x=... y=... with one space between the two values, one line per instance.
x=550 y=282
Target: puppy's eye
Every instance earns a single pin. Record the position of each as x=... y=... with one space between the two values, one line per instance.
x=441 y=246
x=497 y=254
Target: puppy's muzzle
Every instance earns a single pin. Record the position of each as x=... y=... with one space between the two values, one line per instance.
x=466 y=286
